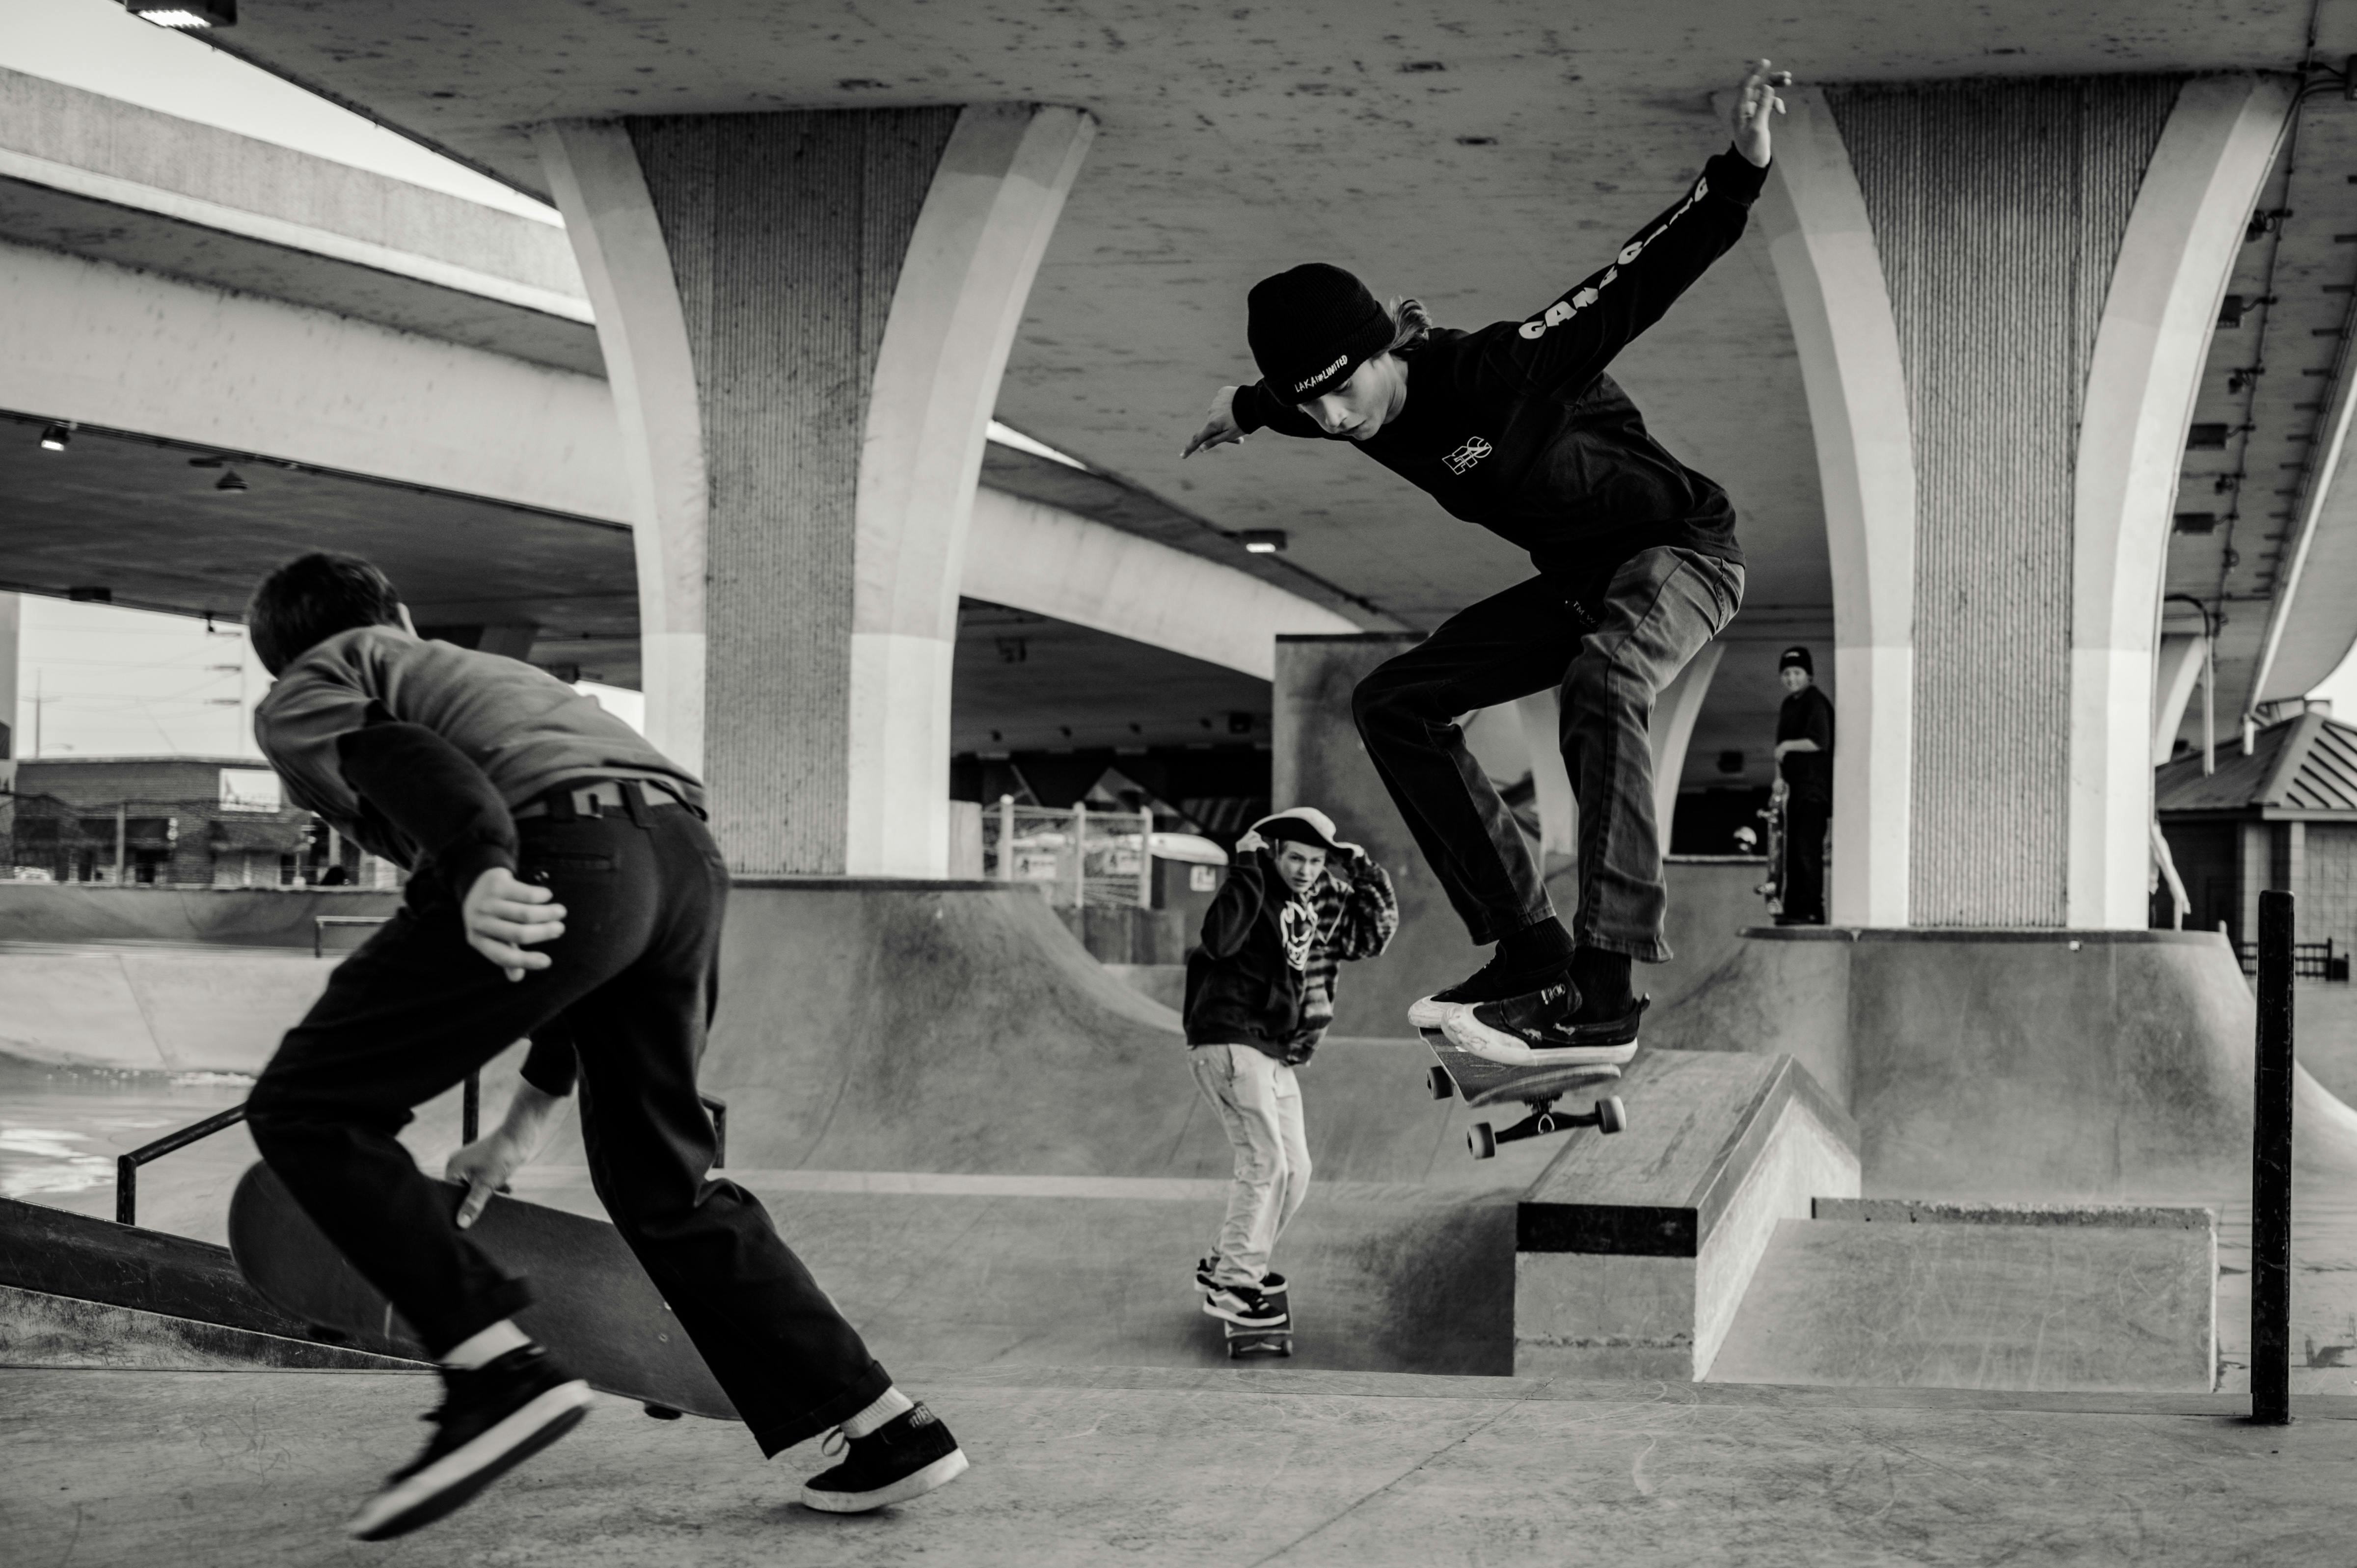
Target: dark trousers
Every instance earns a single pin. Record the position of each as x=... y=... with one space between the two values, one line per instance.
x=1804 y=860
x=415 y=1010
x=1661 y=607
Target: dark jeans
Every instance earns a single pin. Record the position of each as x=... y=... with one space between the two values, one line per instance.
x=1662 y=607
x=415 y=1009
x=1804 y=860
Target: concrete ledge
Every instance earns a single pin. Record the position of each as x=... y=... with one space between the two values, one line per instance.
x=2100 y=1215
x=38 y=1329
x=2034 y=1300
x=1632 y=1252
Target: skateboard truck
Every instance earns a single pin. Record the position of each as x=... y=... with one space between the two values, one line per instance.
x=1607 y=1116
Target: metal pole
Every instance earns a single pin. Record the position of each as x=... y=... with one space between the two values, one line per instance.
x=2209 y=703
x=470 y=1108
x=1146 y=858
x=2271 y=1171
x=122 y=831
x=1080 y=854
x=1007 y=838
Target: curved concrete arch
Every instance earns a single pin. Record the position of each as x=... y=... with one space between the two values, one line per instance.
x=658 y=414
x=986 y=221
x=2174 y=264
x=1040 y=558
x=1822 y=244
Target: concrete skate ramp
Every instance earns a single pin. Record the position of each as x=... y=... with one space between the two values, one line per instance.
x=2100 y=1066
x=153 y=1009
x=232 y=916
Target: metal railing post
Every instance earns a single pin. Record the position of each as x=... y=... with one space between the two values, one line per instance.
x=1080 y=854
x=1007 y=838
x=1146 y=858
x=2271 y=1170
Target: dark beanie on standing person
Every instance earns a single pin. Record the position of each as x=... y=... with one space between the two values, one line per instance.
x=1795 y=659
x=1310 y=327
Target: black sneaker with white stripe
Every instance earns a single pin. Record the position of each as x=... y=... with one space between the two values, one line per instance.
x=492 y=1420
x=906 y=1457
x=1249 y=1306
x=1272 y=1283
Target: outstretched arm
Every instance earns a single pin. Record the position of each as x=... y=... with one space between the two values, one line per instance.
x=1571 y=341
x=1237 y=411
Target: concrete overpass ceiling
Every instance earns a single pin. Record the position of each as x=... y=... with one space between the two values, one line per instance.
x=1026 y=682
x=140 y=519
x=2262 y=425
x=1480 y=160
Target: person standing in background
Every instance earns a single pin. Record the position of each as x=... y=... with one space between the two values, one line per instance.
x=1804 y=769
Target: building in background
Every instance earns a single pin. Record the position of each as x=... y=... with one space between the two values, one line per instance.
x=184 y=821
x=2282 y=817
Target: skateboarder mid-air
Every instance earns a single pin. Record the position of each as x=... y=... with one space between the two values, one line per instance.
x=561 y=884
x=1297 y=901
x=1517 y=428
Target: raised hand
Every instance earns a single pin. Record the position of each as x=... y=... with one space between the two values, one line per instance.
x=1755 y=104
x=1218 y=426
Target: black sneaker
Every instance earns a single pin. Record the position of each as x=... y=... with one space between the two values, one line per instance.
x=1538 y=1030
x=1247 y=1306
x=906 y=1457
x=1271 y=1283
x=1494 y=981
x=492 y=1420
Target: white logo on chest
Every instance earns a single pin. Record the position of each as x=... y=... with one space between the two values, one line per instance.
x=1465 y=456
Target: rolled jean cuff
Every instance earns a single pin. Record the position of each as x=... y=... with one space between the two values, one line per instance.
x=1639 y=949
x=861 y=1392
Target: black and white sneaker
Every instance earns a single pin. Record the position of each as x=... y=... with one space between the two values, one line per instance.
x=1272 y=1283
x=1494 y=981
x=492 y=1420
x=906 y=1457
x=1247 y=1306
x=1538 y=1030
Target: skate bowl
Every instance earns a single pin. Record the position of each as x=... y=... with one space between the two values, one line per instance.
x=2006 y=1065
x=229 y=917
x=153 y=1009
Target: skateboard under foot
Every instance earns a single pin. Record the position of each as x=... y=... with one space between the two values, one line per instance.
x=1243 y=1341
x=1485 y=1082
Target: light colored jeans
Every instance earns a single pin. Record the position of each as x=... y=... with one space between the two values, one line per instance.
x=1259 y=1103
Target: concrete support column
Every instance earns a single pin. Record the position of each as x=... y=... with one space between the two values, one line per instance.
x=2174 y=261
x=805 y=318
x=1823 y=246
x=2177 y=672
x=2002 y=292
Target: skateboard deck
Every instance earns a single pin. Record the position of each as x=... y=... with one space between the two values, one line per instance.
x=1484 y=1082
x=595 y=1306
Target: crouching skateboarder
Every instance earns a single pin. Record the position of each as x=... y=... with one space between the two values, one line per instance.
x=1517 y=428
x=1297 y=901
x=560 y=876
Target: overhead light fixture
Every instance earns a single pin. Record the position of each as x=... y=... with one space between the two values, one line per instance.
x=185 y=15
x=1263 y=541
x=231 y=480
x=55 y=437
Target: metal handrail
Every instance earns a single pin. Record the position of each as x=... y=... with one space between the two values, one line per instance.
x=470 y=1111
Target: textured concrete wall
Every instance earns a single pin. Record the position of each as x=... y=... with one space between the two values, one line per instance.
x=786 y=234
x=1998 y=211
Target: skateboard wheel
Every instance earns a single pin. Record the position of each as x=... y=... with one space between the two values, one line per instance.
x=1480 y=1140
x=1610 y=1115
x=1443 y=1086
x=661 y=1411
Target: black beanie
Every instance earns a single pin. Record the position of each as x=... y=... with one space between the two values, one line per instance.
x=1795 y=659
x=1310 y=327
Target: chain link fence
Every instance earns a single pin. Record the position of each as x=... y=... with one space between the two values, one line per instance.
x=1081 y=858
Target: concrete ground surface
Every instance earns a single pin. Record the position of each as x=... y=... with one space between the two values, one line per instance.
x=1262 y=1465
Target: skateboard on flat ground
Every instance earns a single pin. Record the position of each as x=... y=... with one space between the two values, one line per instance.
x=1485 y=1082
x=593 y=1305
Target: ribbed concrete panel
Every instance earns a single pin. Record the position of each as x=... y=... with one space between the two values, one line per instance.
x=786 y=233
x=1999 y=209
